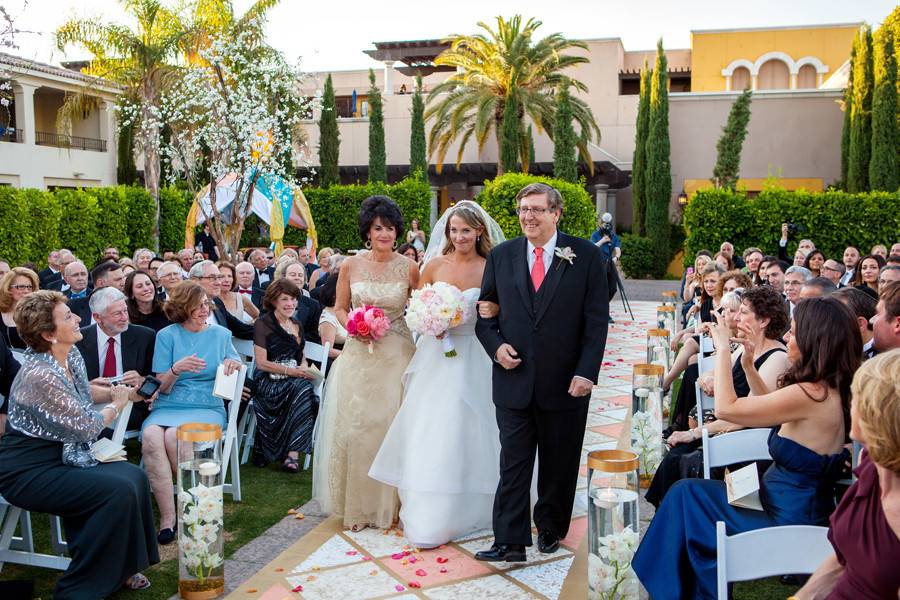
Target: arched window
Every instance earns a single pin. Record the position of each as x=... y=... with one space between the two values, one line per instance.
x=807 y=77
x=740 y=79
x=773 y=75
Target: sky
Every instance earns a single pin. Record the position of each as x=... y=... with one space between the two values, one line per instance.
x=332 y=37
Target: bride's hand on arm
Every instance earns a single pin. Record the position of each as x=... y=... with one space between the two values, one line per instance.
x=488 y=309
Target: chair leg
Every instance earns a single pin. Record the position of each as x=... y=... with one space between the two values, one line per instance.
x=12 y=516
x=249 y=436
x=59 y=545
x=235 y=474
x=306 y=462
x=26 y=541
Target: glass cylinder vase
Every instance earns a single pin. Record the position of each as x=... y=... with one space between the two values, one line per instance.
x=201 y=563
x=647 y=420
x=669 y=298
x=658 y=350
x=613 y=524
x=665 y=319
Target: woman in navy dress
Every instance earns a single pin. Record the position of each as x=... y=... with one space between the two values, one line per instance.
x=185 y=360
x=809 y=416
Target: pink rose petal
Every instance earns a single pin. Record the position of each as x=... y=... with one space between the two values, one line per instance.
x=398 y=556
x=399 y=588
x=441 y=560
x=443 y=569
x=421 y=573
x=414 y=584
x=352 y=552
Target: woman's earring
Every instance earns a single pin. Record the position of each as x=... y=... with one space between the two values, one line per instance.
x=368 y=244
x=478 y=238
x=394 y=246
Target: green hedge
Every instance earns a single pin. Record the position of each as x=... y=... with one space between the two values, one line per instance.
x=499 y=200
x=832 y=220
x=638 y=256
x=86 y=221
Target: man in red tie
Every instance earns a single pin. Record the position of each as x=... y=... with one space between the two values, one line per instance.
x=547 y=344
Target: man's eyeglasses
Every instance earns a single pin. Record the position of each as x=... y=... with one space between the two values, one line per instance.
x=21 y=287
x=216 y=277
x=270 y=258
x=793 y=283
x=529 y=209
x=739 y=292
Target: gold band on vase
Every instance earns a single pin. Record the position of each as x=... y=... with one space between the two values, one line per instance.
x=658 y=332
x=198 y=432
x=644 y=369
x=612 y=461
x=665 y=308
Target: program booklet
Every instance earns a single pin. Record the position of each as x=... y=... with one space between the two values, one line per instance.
x=743 y=487
x=106 y=450
x=226 y=386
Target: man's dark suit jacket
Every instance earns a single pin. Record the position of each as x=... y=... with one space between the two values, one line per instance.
x=558 y=333
x=238 y=328
x=82 y=308
x=308 y=313
x=47 y=276
x=9 y=366
x=270 y=271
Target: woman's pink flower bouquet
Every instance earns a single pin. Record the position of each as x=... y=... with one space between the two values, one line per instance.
x=436 y=309
x=368 y=323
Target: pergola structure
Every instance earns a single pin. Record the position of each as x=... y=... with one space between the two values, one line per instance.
x=417 y=56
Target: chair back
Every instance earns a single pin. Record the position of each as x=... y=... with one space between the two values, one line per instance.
x=789 y=549
x=704 y=364
x=121 y=424
x=734 y=447
x=244 y=348
x=318 y=353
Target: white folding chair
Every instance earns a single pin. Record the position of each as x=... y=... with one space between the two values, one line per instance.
x=20 y=549
x=734 y=447
x=319 y=354
x=230 y=456
x=789 y=549
x=704 y=401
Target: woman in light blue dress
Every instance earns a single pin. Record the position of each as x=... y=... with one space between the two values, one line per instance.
x=185 y=360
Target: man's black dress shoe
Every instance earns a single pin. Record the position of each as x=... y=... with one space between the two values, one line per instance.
x=166 y=536
x=503 y=552
x=548 y=542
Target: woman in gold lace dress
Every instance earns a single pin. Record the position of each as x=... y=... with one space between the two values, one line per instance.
x=364 y=387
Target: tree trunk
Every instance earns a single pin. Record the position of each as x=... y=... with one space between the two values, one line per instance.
x=150 y=144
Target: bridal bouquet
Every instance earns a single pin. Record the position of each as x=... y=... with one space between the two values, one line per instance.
x=368 y=322
x=436 y=309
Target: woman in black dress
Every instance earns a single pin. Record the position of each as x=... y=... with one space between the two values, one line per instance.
x=144 y=305
x=46 y=464
x=284 y=401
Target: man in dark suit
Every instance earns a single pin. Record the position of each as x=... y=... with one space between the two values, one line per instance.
x=53 y=271
x=206 y=244
x=304 y=257
x=206 y=273
x=264 y=272
x=9 y=367
x=75 y=277
x=244 y=274
x=106 y=274
x=547 y=345
x=113 y=347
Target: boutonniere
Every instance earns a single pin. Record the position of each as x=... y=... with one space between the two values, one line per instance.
x=565 y=254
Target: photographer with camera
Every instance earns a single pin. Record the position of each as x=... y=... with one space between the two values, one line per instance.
x=611 y=248
x=804 y=246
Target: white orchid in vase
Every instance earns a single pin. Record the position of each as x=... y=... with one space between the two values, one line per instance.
x=646 y=441
x=201 y=523
x=610 y=576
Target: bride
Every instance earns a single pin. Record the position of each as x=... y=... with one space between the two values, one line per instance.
x=442 y=449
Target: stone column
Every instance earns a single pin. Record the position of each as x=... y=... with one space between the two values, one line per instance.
x=24 y=94
x=728 y=83
x=754 y=82
x=474 y=190
x=611 y=205
x=388 y=78
x=601 y=197
x=433 y=217
x=108 y=132
x=793 y=81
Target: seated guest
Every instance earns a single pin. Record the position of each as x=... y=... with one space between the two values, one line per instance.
x=817 y=287
x=888 y=274
x=15 y=285
x=727 y=248
x=799 y=258
x=262 y=270
x=752 y=257
x=238 y=304
x=879 y=250
x=409 y=251
x=756 y=365
x=76 y=278
x=168 y=275
x=834 y=271
x=185 y=360
x=865 y=527
x=691 y=280
x=53 y=270
x=863 y=308
x=330 y=329
x=141 y=259
x=814 y=261
x=144 y=306
x=114 y=347
x=243 y=278
x=4 y=268
x=110 y=253
x=320 y=275
x=45 y=455
x=794 y=279
x=809 y=417
x=724 y=261
x=185 y=258
x=284 y=401
x=886 y=322
x=308 y=310
x=763 y=274
x=304 y=257
x=206 y=273
x=155 y=263
x=9 y=366
x=867 y=270
x=775 y=275
x=106 y=274
x=851 y=261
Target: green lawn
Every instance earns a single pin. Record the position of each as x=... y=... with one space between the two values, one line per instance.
x=267 y=495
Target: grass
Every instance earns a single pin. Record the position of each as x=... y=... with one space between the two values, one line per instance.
x=267 y=495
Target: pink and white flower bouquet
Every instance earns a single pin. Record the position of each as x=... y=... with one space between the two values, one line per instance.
x=436 y=309
x=368 y=323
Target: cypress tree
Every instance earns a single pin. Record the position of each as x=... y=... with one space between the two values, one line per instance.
x=126 y=171
x=639 y=161
x=565 y=161
x=510 y=136
x=659 y=167
x=728 y=162
x=883 y=165
x=531 y=158
x=377 y=157
x=329 y=138
x=848 y=104
x=418 y=162
x=861 y=116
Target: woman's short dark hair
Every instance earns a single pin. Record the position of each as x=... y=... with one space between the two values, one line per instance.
x=34 y=317
x=328 y=291
x=184 y=298
x=379 y=207
x=276 y=289
x=766 y=303
x=830 y=346
x=224 y=264
x=810 y=255
x=406 y=248
x=133 y=310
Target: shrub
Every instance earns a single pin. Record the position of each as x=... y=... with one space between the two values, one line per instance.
x=499 y=200
x=832 y=220
x=174 y=205
x=638 y=256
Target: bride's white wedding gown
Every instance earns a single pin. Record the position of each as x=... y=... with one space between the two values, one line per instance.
x=442 y=449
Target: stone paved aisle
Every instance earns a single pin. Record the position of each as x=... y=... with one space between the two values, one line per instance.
x=329 y=563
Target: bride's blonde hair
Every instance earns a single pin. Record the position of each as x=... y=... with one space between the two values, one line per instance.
x=473 y=219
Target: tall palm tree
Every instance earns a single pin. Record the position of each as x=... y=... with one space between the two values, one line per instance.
x=142 y=61
x=213 y=18
x=492 y=67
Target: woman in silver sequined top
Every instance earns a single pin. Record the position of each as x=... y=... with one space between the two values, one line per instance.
x=46 y=464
